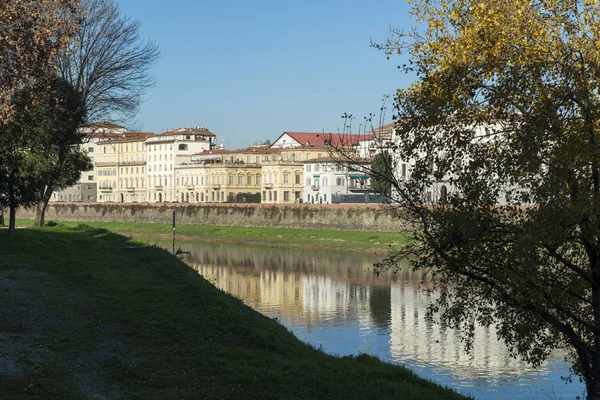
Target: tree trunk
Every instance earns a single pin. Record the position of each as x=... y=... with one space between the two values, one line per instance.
x=12 y=218
x=1 y=216
x=41 y=206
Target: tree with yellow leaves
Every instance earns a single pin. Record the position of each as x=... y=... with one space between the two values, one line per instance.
x=506 y=110
x=31 y=34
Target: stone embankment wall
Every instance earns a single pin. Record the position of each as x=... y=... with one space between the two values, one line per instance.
x=302 y=216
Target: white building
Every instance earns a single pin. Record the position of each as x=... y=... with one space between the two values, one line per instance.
x=328 y=177
x=168 y=150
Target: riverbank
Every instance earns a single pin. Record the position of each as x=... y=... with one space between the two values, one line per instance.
x=297 y=216
x=86 y=312
x=318 y=239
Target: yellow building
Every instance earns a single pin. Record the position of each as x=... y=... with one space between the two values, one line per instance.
x=121 y=165
x=220 y=176
x=283 y=177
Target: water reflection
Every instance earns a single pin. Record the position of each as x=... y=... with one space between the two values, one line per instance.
x=335 y=301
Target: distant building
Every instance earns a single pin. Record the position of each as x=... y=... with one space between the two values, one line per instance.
x=86 y=189
x=121 y=165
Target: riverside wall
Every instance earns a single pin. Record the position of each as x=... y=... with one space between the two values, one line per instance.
x=300 y=216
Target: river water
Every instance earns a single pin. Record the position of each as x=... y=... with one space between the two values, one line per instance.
x=334 y=301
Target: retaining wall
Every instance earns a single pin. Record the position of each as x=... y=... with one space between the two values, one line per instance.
x=301 y=216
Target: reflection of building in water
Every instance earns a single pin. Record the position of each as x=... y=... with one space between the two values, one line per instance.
x=317 y=288
x=414 y=339
x=268 y=289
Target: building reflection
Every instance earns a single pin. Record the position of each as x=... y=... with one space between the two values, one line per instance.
x=315 y=288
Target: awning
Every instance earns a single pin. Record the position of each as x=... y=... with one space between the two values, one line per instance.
x=359 y=176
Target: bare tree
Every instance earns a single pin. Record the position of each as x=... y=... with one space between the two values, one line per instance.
x=109 y=63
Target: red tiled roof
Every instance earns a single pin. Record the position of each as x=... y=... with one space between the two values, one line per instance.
x=332 y=139
x=103 y=124
x=128 y=137
x=188 y=131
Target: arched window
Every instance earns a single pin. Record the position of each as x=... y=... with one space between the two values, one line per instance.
x=443 y=194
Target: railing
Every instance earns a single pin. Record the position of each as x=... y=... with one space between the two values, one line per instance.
x=158 y=186
x=268 y=185
x=189 y=187
x=106 y=189
x=105 y=163
x=216 y=186
x=140 y=162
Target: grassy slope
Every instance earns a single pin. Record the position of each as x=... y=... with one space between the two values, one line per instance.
x=83 y=315
x=372 y=242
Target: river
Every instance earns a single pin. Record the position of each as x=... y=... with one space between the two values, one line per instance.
x=335 y=302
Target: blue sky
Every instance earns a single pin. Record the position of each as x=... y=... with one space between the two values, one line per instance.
x=250 y=70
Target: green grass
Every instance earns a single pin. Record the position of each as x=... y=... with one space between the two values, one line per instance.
x=85 y=314
x=369 y=242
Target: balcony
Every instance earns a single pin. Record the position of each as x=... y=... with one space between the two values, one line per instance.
x=216 y=186
x=268 y=186
x=105 y=163
x=158 y=186
x=106 y=189
x=130 y=189
x=315 y=188
x=190 y=187
x=359 y=189
x=140 y=162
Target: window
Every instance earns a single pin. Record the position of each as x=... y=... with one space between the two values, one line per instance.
x=249 y=180
x=308 y=168
x=264 y=196
x=317 y=168
x=308 y=156
x=297 y=179
x=286 y=196
x=90 y=149
x=240 y=180
x=231 y=179
x=319 y=155
x=90 y=177
x=274 y=196
x=257 y=158
x=286 y=178
x=258 y=179
x=248 y=159
x=307 y=181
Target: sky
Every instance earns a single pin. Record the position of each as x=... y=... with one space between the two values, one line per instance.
x=249 y=70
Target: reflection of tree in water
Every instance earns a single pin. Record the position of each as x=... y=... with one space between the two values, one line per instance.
x=380 y=304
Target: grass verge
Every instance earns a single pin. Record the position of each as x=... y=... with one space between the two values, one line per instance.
x=357 y=241
x=86 y=313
